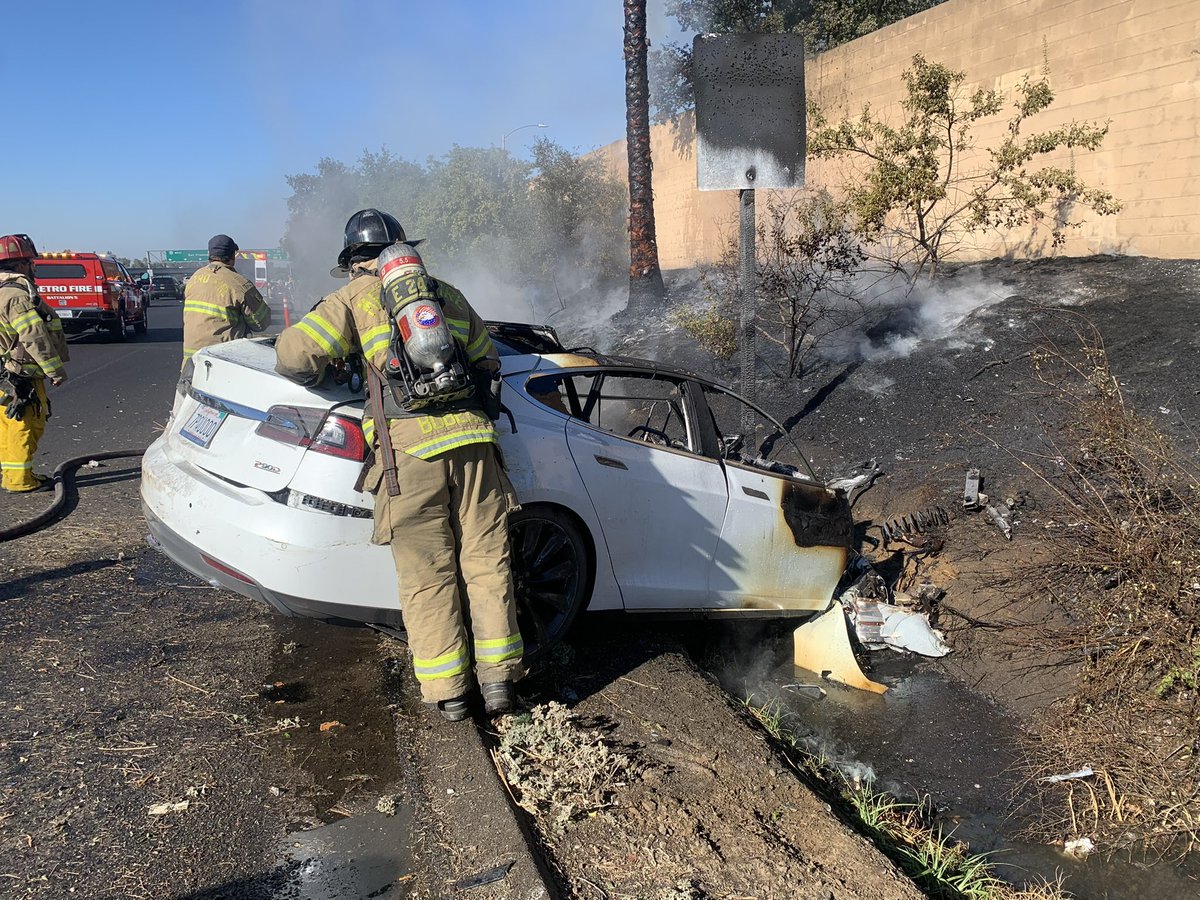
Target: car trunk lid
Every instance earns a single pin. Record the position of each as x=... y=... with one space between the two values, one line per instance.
x=218 y=426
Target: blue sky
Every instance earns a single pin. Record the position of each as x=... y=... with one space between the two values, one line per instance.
x=153 y=125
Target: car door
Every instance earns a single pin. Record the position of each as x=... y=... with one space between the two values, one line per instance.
x=660 y=502
x=786 y=536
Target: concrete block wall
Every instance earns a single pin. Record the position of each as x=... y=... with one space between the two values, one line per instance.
x=1132 y=63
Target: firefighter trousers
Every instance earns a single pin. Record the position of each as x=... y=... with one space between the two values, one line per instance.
x=449 y=537
x=19 y=440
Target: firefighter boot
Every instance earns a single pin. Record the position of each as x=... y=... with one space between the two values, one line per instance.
x=454 y=710
x=498 y=698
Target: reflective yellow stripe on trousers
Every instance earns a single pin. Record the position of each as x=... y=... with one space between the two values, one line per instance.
x=500 y=649
x=446 y=666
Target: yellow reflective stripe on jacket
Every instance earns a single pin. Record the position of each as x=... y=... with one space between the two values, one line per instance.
x=210 y=309
x=52 y=365
x=500 y=649
x=480 y=347
x=15 y=466
x=323 y=334
x=452 y=439
x=375 y=339
x=446 y=666
x=25 y=320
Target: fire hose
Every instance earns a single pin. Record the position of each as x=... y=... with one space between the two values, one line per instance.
x=63 y=476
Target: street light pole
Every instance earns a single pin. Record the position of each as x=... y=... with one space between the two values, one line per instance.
x=504 y=139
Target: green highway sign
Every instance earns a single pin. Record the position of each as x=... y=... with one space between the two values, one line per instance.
x=176 y=256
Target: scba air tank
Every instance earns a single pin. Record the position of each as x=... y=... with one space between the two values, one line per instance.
x=409 y=293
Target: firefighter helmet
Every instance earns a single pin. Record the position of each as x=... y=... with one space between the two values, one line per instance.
x=367 y=230
x=17 y=246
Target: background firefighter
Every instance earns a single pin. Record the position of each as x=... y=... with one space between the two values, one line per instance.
x=448 y=523
x=219 y=303
x=32 y=349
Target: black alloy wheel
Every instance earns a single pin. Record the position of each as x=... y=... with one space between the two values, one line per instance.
x=551 y=570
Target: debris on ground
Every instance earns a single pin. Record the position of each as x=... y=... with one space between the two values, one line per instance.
x=488 y=876
x=1085 y=772
x=822 y=645
x=971 y=497
x=905 y=528
x=163 y=809
x=879 y=623
x=1080 y=848
x=330 y=726
x=997 y=518
x=857 y=483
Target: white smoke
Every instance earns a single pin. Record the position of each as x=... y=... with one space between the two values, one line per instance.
x=905 y=320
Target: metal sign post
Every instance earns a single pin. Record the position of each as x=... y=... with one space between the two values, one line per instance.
x=747 y=287
x=750 y=129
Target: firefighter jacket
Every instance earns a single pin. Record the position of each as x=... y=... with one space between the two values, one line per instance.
x=220 y=304
x=31 y=334
x=353 y=320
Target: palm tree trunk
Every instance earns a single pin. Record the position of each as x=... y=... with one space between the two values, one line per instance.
x=645 y=277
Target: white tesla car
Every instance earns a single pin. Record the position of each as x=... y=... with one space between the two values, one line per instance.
x=636 y=492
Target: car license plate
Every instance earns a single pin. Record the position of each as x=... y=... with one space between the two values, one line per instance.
x=64 y=313
x=202 y=427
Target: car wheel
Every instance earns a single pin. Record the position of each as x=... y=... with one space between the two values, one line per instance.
x=118 y=330
x=551 y=569
x=143 y=325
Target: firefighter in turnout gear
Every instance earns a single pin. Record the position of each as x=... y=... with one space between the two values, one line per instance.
x=441 y=494
x=32 y=349
x=219 y=303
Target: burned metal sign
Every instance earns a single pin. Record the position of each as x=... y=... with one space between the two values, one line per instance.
x=749 y=111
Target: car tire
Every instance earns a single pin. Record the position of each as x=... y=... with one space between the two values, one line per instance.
x=143 y=325
x=552 y=575
x=118 y=330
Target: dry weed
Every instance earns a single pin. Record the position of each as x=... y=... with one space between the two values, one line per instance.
x=1125 y=536
x=558 y=768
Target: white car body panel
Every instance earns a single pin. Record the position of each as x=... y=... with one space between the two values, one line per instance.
x=669 y=501
x=672 y=530
x=759 y=563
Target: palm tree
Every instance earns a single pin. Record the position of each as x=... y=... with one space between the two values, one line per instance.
x=645 y=277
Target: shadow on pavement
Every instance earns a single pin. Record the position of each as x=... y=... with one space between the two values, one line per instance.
x=13 y=590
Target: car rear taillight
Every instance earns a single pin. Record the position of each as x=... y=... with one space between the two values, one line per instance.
x=317 y=429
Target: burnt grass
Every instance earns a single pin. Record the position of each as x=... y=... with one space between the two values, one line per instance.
x=948 y=381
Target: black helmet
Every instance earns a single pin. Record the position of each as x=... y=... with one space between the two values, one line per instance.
x=369 y=230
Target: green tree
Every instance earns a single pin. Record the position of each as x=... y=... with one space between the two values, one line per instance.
x=577 y=201
x=914 y=190
x=533 y=225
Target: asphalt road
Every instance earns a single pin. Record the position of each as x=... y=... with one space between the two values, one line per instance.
x=118 y=395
